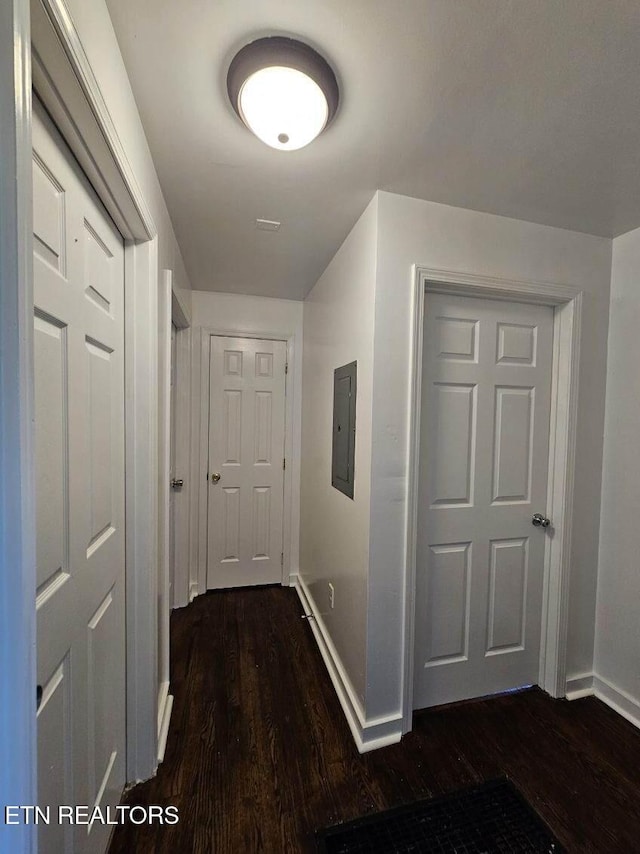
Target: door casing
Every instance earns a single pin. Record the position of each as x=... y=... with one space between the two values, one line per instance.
x=566 y=302
x=182 y=500
x=165 y=699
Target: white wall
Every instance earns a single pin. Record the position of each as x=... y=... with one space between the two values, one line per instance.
x=230 y=314
x=438 y=236
x=617 y=652
x=334 y=545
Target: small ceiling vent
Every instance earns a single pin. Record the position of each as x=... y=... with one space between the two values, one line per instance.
x=268 y=225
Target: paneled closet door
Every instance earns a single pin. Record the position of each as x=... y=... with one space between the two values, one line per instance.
x=79 y=403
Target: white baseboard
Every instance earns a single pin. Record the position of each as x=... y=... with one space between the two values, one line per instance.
x=165 y=706
x=367 y=734
x=580 y=686
x=590 y=684
x=620 y=701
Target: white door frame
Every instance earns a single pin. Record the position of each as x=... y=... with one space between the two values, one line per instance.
x=202 y=455
x=180 y=317
x=65 y=82
x=165 y=700
x=567 y=304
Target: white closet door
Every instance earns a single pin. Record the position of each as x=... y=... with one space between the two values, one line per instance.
x=483 y=474
x=246 y=461
x=79 y=398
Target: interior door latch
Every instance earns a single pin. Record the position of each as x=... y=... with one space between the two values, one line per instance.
x=540 y=521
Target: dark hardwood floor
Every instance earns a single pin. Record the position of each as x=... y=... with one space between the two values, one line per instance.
x=259 y=755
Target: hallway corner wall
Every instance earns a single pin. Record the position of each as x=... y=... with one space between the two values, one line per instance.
x=617 y=646
x=334 y=543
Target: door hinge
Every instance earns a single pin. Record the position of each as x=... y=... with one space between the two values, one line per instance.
x=207 y=475
x=281 y=558
x=286 y=367
x=284 y=464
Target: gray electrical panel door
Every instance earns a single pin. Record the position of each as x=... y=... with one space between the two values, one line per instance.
x=344 y=428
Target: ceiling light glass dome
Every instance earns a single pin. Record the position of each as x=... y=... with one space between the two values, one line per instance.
x=283 y=91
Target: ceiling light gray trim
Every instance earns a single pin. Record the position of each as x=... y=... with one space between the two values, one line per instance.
x=84 y=118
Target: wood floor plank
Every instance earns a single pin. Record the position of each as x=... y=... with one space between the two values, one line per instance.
x=259 y=755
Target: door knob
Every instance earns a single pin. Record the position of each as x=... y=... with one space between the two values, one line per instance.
x=215 y=477
x=177 y=483
x=540 y=521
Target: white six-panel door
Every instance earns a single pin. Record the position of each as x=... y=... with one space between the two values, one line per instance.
x=246 y=459
x=483 y=474
x=79 y=406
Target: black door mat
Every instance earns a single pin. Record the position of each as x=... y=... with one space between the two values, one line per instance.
x=492 y=818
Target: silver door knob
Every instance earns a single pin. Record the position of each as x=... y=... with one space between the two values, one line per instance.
x=215 y=477
x=540 y=521
x=177 y=483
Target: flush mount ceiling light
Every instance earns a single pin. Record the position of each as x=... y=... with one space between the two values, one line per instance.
x=283 y=91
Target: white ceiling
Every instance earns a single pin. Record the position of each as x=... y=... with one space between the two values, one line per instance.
x=525 y=108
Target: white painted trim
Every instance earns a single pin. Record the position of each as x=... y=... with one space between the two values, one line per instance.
x=17 y=485
x=163 y=693
x=180 y=314
x=165 y=707
x=164 y=469
x=141 y=485
x=182 y=468
x=291 y=468
x=617 y=699
x=201 y=445
x=367 y=734
x=411 y=546
x=467 y=284
x=195 y=471
x=201 y=453
x=560 y=494
x=567 y=301
x=68 y=88
x=351 y=703
x=580 y=686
